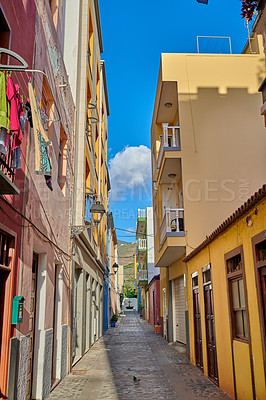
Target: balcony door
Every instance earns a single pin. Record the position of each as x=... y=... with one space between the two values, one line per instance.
x=169 y=196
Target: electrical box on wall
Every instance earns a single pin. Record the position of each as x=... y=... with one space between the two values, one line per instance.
x=17 y=310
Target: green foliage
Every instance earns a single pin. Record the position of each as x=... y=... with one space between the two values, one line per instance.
x=114 y=318
x=129 y=291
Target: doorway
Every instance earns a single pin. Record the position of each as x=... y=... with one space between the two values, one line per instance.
x=57 y=323
x=259 y=254
x=209 y=325
x=32 y=318
x=197 y=322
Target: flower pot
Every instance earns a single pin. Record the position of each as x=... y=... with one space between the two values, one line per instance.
x=112 y=324
x=157 y=329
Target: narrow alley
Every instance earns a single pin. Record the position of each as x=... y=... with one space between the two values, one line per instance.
x=132 y=349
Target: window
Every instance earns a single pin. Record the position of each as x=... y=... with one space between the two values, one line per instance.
x=4 y=36
x=62 y=160
x=237 y=295
x=6 y=250
x=260 y=252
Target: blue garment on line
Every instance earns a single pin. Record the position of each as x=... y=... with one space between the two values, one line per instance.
x=87 y=209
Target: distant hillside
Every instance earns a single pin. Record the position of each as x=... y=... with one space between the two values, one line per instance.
x=129 y=275
x=125 y=253
x=119 y=242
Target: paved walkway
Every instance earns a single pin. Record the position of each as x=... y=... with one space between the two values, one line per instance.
x=131 y=348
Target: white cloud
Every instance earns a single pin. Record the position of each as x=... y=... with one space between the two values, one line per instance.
x=130 y=169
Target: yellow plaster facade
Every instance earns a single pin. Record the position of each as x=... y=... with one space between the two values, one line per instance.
x=240 y=362
x=208 y=148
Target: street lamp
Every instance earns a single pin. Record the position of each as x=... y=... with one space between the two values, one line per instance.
x=96 y=209
x=115 y=267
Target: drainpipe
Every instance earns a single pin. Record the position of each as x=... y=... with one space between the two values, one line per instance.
x=170 y=308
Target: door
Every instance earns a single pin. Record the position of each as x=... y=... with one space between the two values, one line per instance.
x=197 y=329
x=179 y=310
x=262 y=275
x=32 y=318
x=153 y=307
x=3 y=279
x=164 y=313
x=210 y=331
x=57 y=323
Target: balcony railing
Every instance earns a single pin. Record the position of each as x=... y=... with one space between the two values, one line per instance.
x=142 y=244
x=141 y=251
x=173 y=221
x=7 y=173
x=141 y=213
x=142 y=277
x=169 y=140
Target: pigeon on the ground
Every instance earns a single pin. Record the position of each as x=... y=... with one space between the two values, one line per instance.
x=136 y=380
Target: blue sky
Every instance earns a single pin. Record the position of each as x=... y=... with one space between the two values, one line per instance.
x=135 y=33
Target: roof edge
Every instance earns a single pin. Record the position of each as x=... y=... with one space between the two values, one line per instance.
x=242 y=210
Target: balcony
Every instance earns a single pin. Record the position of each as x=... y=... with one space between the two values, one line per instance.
x=141 y=224
x=142 y=249
x=170 y=141
x=7 y=174
x=172 y=224
x=142 y=277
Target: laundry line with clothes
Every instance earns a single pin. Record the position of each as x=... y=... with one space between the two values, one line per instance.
x=19 y=104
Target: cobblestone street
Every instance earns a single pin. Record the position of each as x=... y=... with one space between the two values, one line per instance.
x=131 y=348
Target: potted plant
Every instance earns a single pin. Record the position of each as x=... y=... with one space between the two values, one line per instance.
x=157 y=328
x=114 y=319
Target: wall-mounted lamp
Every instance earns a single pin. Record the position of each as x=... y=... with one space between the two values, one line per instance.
x=97 y=211
x=115 y=267
x=171 y=175
x=168 y=105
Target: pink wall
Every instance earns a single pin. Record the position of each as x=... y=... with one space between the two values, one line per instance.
x=154 y=305
x=20 y=16
x=49 y=210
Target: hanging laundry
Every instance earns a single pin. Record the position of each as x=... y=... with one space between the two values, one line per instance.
x=4 y=105
x=28 y=113
x=87 y=216
x=42 y=162
x=16 y=163
x=4 y=141
x=15 y=111
x=22 y=122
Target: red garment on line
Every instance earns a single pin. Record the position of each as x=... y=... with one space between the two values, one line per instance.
x=16 y=111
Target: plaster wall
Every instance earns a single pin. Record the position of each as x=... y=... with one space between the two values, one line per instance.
x=246 y=358
x=222 y=136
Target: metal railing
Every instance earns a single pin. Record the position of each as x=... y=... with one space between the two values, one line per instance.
x=6 y=163
x=142 y=275
x=141 y=213
x=173 y=221
x=142 y=244
x=171 y=139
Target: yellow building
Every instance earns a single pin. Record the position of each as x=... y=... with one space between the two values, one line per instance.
x=208 y=156
x=227 y=299
x=82 y=55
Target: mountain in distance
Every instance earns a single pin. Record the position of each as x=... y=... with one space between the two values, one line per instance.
x=125 y=252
